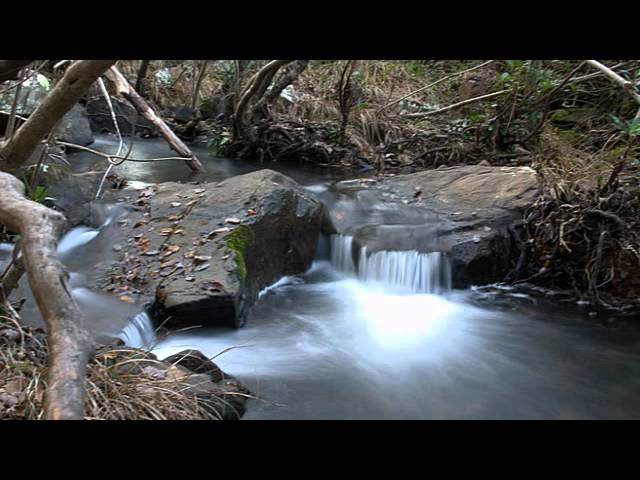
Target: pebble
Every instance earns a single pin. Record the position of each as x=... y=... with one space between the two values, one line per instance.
x=8 y=400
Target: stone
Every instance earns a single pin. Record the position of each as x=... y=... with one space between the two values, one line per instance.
x=278 y=238
x=465 y=211
x=197 y=362
x=75 y=127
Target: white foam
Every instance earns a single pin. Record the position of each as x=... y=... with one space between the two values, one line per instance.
x=139 y=332
x=409 y=270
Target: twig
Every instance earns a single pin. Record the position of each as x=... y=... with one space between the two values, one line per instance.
x=456 y=105
x=109 y=156
x=434 y=84
x=626 y=85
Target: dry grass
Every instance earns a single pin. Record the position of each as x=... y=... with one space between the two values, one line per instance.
x=122 y=383
x=564 y=166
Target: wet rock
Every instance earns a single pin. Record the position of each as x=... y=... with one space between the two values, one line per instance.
x=75 y=127
x=181 y=114
x=197 y=362
x=101 y=121
x=276 y=235
x=465 y=211
x=213 y=107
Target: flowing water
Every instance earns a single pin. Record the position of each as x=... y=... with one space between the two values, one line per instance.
x=385 y=337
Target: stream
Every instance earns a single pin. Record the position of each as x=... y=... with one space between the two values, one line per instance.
x=387 y=339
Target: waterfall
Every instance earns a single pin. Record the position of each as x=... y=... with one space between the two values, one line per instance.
x=341 y=256
x=139 y=332
x=410 y=270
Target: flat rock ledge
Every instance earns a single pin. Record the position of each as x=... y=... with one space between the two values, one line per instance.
x=201 y=253
x=469 y=212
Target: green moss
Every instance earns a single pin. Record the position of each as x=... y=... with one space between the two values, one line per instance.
x=238 y=240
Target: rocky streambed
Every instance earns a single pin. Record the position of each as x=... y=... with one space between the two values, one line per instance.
x=240 y=270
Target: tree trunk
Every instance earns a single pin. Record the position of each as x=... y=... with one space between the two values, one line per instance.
x=142 y=75
x=124 y=88
x=258 y=83
x=196 y=88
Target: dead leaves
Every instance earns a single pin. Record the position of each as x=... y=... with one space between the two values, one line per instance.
x=170 y=250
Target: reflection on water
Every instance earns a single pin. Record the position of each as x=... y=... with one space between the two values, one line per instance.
x=216 y=168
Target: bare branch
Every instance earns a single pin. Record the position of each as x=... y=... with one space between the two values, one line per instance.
x=59 y=101
x=627 y=85
x=434 y=84
x=70 y=343
x=124 y=88
x=456 y=105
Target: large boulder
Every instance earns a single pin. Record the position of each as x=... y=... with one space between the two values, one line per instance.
x=201 y=253
x=466 y=211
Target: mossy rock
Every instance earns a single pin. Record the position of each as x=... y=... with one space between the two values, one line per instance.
x=237 y=241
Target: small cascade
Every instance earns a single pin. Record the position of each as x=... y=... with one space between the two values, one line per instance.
x=415 y=271
x=410 y=270
x=341 y=253
x=139 y=332
x=82 y=235
x=75 y=238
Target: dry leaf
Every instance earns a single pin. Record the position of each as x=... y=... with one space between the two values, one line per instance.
x=126 y=298
x=170 y=250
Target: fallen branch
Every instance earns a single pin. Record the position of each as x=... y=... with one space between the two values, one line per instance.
x=39 y=228
x=71 y=344
x=434 y=84
x=127 y=91
x=456 y=105
x=626 y=85
x=115 y=158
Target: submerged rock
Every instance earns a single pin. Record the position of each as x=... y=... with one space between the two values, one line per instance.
x=465 y=211
x=202 y=252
